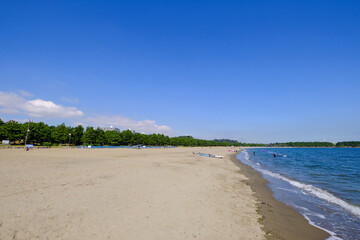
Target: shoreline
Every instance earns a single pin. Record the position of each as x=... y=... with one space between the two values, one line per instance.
x=278 y=220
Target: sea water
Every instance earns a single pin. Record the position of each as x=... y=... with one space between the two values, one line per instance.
x=323 y=184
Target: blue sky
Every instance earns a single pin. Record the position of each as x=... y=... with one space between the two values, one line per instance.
x=255 y=71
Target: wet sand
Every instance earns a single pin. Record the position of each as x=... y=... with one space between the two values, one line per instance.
x=279 y=220
x=124 y=194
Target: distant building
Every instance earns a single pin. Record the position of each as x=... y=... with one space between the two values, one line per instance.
x=133 y=131
x=111 y=128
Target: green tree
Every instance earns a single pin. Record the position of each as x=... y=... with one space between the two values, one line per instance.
x=2 y=130
x=153 y=140
x=14 y=131
x=60 y=134
x=348 y=144
x=77 y=134
x=100 y=137
x=138 y=138
x=44 y=132
x=89 y=136
x=39 y=132
x=113 y=138
x=127 y=137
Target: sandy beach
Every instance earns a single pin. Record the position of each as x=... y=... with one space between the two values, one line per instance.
x=124 y=194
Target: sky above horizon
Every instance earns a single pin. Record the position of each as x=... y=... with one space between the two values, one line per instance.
x=254 y=71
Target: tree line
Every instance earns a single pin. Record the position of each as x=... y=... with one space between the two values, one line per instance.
x=41 y=134
x=348 y=144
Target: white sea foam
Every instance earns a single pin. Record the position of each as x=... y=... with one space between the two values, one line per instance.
x=285 y=189
x=309 y=189
x=332 y=237
x=303 y=192
x=308 y=212
x=319 y=215
x=247 y=155
x=322 y=194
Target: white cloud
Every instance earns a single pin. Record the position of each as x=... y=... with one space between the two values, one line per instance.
x=147 y=126
x=48 y=109
x=9 y=111
x=18 y=104
x=12 y=103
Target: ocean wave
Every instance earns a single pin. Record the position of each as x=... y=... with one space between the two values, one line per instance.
x=320 y=193
x=308 y=212
x=285 y=189
x=325 y=220
x=247 y=157
x=332 y=237
x=303 y=192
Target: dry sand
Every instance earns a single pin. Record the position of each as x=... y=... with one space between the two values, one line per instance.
x=124 y=194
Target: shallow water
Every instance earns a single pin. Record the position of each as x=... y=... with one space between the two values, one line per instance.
x=323 y=184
